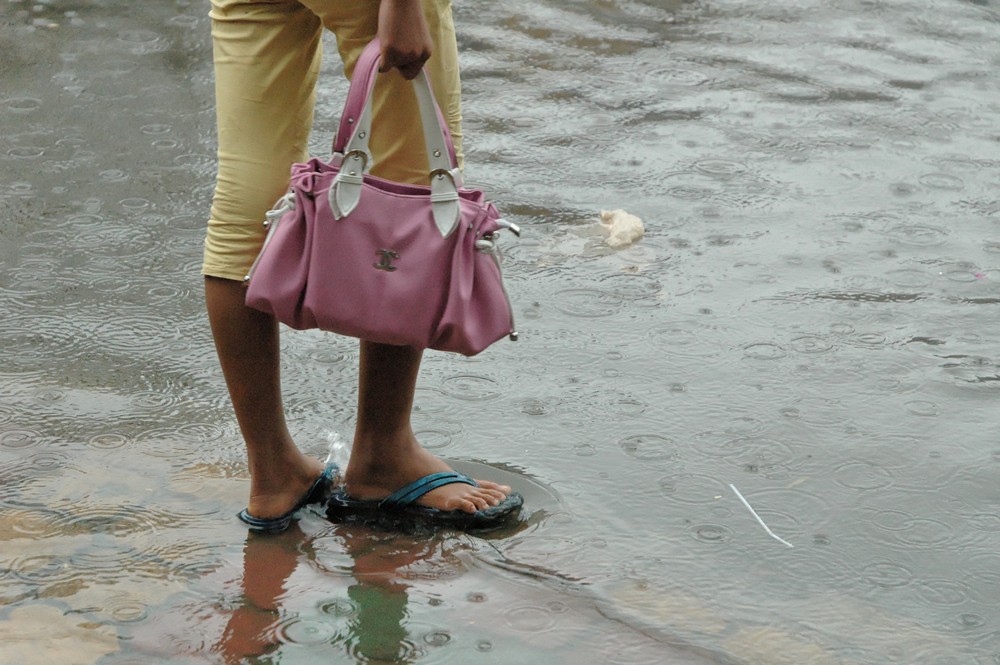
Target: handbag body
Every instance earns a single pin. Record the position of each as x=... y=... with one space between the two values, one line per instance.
x=394 y=263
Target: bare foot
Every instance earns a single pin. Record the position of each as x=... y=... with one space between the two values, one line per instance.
x=378 y=478
x=281 y=490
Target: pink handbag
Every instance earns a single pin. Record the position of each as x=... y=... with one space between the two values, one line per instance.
x=410 y=265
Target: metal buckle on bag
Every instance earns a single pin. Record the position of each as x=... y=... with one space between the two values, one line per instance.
x=440 y=173
x=357 y=154
x=453 y=174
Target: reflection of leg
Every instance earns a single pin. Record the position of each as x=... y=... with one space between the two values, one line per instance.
x=379 y=630
x=268 y=562
x=247 y=343
x=386 y=455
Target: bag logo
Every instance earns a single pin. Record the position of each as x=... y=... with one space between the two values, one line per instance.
x=385 y=259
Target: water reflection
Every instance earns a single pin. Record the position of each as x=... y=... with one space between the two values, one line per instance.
x=370 y=624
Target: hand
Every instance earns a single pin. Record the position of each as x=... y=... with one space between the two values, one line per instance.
x=404 y=36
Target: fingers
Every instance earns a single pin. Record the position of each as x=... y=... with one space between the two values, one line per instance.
x=409 y=64
x=404 y=36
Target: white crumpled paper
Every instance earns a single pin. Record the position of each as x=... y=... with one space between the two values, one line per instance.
x=622 y=228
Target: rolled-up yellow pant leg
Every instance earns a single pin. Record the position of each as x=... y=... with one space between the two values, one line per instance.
x=267 y=57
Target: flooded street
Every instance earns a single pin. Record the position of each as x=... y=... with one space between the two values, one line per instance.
x=811 y=318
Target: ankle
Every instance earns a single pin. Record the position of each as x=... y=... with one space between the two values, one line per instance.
x=275 y=467
x=381 y=445
x=384 y=435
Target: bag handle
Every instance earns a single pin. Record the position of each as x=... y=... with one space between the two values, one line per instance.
x=350 y=147
x=362 y=86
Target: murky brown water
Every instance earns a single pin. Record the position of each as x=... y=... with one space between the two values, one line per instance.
x=811 y=317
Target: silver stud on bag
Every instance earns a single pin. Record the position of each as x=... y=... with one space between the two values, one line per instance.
x=437 y=153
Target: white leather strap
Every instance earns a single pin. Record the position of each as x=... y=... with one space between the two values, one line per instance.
x=355 y=161
x=345 y=192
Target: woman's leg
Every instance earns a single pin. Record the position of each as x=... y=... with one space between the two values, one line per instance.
x=266 y=58
x=386 y=455
x=247 y=344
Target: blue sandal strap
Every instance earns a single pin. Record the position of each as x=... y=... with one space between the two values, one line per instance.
x=410 y=493
x=278 y=524
x=266 y=525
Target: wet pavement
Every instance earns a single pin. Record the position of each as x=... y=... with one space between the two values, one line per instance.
x=810 y=318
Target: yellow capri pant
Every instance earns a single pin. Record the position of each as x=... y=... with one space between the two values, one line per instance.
x=267 y=57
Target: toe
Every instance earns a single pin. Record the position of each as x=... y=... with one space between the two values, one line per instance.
x=466 y=505
x=495 y=497
x=492 y=498
x=466 y=498
x=490 y=485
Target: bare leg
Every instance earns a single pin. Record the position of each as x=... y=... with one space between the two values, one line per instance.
x=386 y=455
x=247 y=343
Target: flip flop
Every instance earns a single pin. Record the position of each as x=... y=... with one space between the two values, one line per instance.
x=400 y=503
x=316 y=494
